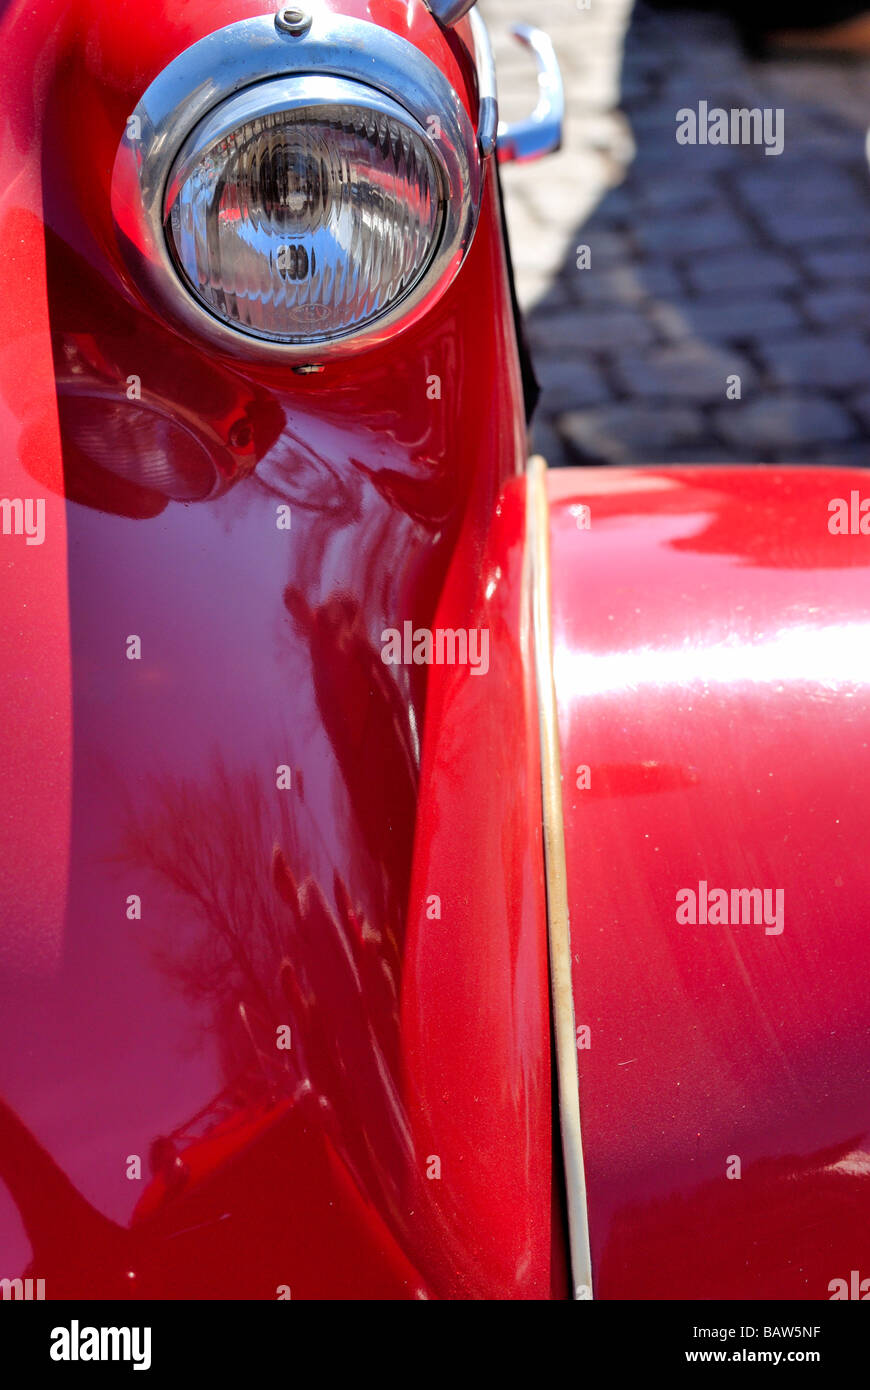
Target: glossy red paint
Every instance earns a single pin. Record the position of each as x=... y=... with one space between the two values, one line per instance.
x=475 y=1027
x=711 y=641
x=156 y=778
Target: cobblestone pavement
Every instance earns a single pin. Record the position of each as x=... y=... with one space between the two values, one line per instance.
x=707 y=261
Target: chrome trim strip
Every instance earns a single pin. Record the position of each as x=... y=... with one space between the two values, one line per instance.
x=558 y=924
x=254 y=51
x=540 y=133
x=487 y=94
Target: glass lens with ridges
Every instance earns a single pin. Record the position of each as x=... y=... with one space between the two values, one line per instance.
x=304 y=223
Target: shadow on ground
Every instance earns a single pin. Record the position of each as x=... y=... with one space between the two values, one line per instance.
x=709 y=262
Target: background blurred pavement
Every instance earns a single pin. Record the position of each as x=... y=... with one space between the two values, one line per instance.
x=705 y=260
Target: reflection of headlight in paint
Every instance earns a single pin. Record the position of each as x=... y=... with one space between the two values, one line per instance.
x=136 y=441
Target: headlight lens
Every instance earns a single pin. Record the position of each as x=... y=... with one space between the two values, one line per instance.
x=303 y=208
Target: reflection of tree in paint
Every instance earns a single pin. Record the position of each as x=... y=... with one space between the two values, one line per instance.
x=259 y=945
x=265 y=951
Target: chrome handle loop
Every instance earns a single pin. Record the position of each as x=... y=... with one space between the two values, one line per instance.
x=540 y=133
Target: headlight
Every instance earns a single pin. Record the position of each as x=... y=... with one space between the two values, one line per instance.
x=303 y=208
x=297 y=195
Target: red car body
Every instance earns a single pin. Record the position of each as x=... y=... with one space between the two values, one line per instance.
x=389 y=906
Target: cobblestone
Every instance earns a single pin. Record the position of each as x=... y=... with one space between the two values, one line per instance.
x=615 y=285
x=737 y=271
x=571 y=383
x=683 y=371
x=614 y=328
x=847 y=263
x=724 y=319
x=706 y=260
x=840 y=305
x=627 y=432
x=679 y=235
x=835 y=360
x=774 y=422
x=792 y=227
x=861 y=406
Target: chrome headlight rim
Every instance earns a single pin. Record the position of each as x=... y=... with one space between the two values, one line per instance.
x=190 y=91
